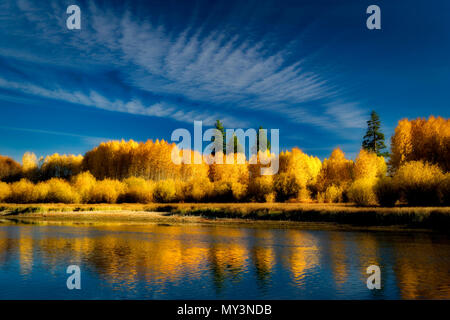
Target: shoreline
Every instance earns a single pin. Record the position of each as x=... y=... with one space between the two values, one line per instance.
x=312 y=215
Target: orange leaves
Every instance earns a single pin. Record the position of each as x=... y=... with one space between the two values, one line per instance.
x=421 y=139
x=369 y=166
x=9 y=169
x=335 y=171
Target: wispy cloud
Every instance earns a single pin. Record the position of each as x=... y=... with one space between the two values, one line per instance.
x=207 y=66
x=87 y=139
x=94 y=99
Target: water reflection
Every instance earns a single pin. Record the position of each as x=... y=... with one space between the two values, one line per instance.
x=192 y=261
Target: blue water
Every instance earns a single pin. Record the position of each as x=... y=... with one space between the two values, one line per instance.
x=191 y=261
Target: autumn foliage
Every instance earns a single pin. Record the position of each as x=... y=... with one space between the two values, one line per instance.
x=128 y=171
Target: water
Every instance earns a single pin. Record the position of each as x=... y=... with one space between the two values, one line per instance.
x=190 y=261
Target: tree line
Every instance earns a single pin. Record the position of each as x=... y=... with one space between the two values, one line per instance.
x=416 y=173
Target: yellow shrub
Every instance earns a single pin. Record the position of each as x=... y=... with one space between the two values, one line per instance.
x=165 y=191
x=387 y=192
x=83 y=183
x=369 y=166
x=270 y=197
x=444 y=189
x=333 y=194
x=297 y=171
x=239 y=191
x=198 y=189
x=5 y=191
x=260 y=188
x=361 y=192
x=419 y=182
x=138 y=190
x=286 y=187
x=106 y=191
x=222 y=191
x=336 y=170
x=22 y=192
x=61 y=191
x=40 y=192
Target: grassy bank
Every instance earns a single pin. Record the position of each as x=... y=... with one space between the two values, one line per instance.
x=412 y=217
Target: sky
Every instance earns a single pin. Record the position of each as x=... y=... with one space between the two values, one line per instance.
x=141 y=69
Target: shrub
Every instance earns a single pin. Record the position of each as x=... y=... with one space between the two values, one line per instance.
x=40 y=192
x=369 y=166
x=165 y=191
x=106 y=191
x=419 y=182
x=138 y=190
x=361 y=192
x=222 y=191
x=5 y=191
x=333 y=194
x=285 y=187
x=239 y=191
x=387 y=192
x=444 y=190
x=270 y=197
x=83 y=184
x=10 y=170
x=197 y=189
x=260 y=188
x=22 y=192
x=61 y=191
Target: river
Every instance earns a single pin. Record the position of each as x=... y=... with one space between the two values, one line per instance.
x=194 y=261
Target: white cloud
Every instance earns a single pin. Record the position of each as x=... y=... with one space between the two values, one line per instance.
x=210 y=67
x=94 y=99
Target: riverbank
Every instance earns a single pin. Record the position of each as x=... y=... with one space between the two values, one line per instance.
x=345 y=214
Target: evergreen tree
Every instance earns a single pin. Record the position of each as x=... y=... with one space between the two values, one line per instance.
x=374 y=138
x=219 y=126
x=264 y=140
x=237 y=146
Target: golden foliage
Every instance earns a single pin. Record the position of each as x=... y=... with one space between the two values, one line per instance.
x=337 y=170
x=165 y=191
x=421 y=140
x=106 y=191
x=128 y=171
x=84 y=183
x=138 y=190
x=5 y=191
x=22 y=192
x=444 y=189
x=297 y=171
x=419 y=182
x=60 y=166
x=261 y=189
x=332 y=194
x=362 y=192
x=198 y=190
x=10 y=170
x=387 y=191
x=60 y=191
x=369 y=166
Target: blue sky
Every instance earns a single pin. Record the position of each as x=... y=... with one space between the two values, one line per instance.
x=138 y=70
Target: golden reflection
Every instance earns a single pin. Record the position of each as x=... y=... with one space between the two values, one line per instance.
x=126 y=255
x=338 y=257
x=421 y=271
x=368 y=253
x=303 y=253
x=263 y=254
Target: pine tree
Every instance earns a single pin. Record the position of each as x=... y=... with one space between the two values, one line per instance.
x=219 y=126
x=374 y=138
x=237 y=146
x=265 y=140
